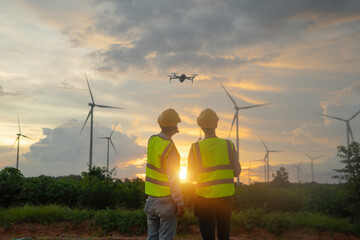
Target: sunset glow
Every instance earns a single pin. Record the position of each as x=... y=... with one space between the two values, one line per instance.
x=303 y=62
x=183 y=173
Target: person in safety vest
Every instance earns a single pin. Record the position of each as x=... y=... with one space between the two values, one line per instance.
x=213 y=164
x=162 y=185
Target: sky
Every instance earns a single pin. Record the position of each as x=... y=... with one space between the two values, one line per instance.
x=302 y=56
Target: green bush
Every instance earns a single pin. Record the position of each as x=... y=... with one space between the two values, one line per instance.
x=97 y=194
x=246 y=220
x=43 y=214
x=331 y=200
x=261 y=195
x=277 y=222
x=35 y=190
x=11 y=182
x=131 y=194
x=128 y=222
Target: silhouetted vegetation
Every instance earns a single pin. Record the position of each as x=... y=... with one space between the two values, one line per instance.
x=95 y=190
x=281 y=178
x=274 y=206
x=351 y=175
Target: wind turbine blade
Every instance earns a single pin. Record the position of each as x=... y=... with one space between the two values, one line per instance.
x=19 y=124
x=17 y=138
x=317 y=157
x=252 y=106
x=92 y=98
x=308 y=156
x=350 y=131
x=228 y=95
x=27 y=137
x=86 y=120
x=264 y=144
x=103 y=106
x=337 y=118
x=232 y=124
x=354 y=116
x=113 y=130
x=102 y=137
x=112 y=144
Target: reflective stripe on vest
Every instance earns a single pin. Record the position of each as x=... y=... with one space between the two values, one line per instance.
x=156 y=181
x=215 y=175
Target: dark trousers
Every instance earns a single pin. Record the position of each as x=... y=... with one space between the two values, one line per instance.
x=214 y=213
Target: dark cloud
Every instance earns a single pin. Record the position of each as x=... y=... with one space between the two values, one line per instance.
x=165 y=34
x=64 y=147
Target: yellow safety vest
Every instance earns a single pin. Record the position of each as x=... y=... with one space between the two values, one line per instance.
x=157 y=182
x=215 y=175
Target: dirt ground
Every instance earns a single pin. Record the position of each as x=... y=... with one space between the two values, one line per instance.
x=66 y=230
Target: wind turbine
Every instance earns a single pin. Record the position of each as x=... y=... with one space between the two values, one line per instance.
x=263 y=160
x=266 y=159
x=298 y=171
x=91 y=113
x=236 y=117
x=250 y=170
x=312 y=167
x=348 y=128
x=108 y=144
x=18 y=143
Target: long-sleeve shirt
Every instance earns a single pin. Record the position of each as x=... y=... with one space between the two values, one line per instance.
x=191 y=170
x=172 y=172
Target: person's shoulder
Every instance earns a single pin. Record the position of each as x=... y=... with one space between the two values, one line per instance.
x=228 y=141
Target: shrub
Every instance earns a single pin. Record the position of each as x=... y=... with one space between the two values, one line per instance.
x=128 y=222
x=11 y=182
x=97 y=194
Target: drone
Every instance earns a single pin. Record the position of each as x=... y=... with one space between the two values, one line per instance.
x=182 y=77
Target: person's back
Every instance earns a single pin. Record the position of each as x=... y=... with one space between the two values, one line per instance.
x=162 y=185
x=213 y=165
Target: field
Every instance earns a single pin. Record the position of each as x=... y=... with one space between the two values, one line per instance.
x=93 y=206
x=56 y=221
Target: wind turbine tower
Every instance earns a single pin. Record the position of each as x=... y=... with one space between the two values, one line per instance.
x=298 y=171
x=263 y=160
x=19 y=134
x=236 y=117
x=348 y=128
x=91 y=113
x=312 y=165
x=266 y=159
x=108 y=144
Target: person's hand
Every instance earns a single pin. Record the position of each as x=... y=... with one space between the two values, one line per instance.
x=180 y=211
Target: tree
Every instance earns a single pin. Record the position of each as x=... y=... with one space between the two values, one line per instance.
x=351 y=174
x=11 y=181
x=281 y=178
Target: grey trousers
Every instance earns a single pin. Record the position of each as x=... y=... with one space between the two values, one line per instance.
x=161 y=218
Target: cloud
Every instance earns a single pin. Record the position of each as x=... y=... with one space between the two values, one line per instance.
x=4 y=93
x=199 y=35
x=64 y=147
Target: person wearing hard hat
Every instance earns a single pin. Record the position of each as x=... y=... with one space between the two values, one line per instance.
x=213 y=164
x=162 y=184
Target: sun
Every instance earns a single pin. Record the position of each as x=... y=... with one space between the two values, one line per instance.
x=183 y=172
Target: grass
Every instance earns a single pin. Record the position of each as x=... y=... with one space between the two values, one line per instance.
x=134 y=222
